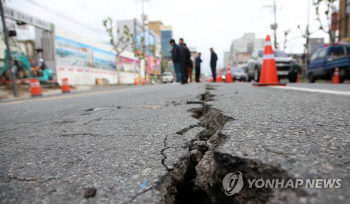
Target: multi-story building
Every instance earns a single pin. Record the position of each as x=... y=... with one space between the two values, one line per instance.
x=226 y=58
x=246 y=44
x=242 y=58
x=315 y=43
x=155 y=26
x=259 y=44
x=344 y=21
x=166 y=36
x=135 y=28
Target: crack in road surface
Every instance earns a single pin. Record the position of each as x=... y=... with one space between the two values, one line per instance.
x=197 y=177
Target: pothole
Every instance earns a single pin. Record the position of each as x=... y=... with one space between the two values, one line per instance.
x=104 y=108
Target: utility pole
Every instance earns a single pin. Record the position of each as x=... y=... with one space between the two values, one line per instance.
x=274 y=26
x=144 y=18
x=12 y=74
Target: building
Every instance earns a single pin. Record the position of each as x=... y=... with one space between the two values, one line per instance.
x=226 y=58
x=259 y=44
x=315 y=43
x=242 y=58
x=155 y=26
x=344 y=21
x=166 y=36
x=250 y=40
x=135 y=28
x=247 y=44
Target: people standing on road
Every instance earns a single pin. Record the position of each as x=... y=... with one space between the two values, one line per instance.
x=190 y=70
x=188 y=63
x=176 y=56
x=185 y=57
x=198 y=67
x=213 y=59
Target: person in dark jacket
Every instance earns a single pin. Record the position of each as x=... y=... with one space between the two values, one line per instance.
x=198 y=67
x=188 y=63
x=190 y=70
x=185 y=57
x=176 y=56
x=213 y=59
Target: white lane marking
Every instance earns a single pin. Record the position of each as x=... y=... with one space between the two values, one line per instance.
x=313 y=90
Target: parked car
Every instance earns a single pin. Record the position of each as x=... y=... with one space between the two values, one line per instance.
x=238 y=74
x=324 y=61
x=286 y=66
x=167 y=77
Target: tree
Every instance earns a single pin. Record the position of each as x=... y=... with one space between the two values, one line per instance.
x=286 y=32
x=122 y=42
x=139 y=52
x=330 y=8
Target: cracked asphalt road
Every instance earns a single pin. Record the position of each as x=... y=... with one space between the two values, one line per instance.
x=126 y=143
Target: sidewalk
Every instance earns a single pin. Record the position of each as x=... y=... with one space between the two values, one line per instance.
x=6 y=92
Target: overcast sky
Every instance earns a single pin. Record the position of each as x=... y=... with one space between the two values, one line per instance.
x=202 y=24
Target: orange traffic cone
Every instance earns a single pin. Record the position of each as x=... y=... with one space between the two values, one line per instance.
x=143 y=82
x=229 y=78
x=136 y=81
x=336 y=79
x=219 y=76
x=35 y=88
x=65 y=86
x=268 y=76
x=298 y=79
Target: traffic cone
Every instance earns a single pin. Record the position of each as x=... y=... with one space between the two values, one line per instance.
x=336 y=79
x=143 y=82
x=268 y=76
x=219 y=76
x=298 y=79
x=229 y=78
x=136 y=81
x=65 y=86
x=35 y=88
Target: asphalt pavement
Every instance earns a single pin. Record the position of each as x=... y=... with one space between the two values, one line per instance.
x=172 y=144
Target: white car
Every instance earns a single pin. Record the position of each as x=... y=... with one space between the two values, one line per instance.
x=167 y=77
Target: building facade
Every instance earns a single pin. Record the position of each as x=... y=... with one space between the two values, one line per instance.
x=247 y=44
x=166 y=36
x=155 y=26
x=315 y=43
x=226 y=58
x=344 y=21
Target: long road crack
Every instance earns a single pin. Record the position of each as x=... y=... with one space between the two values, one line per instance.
x=197 y=177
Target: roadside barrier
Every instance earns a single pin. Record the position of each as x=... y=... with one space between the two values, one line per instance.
x=35 y=88
x=229 y=78
x=65 y=86
x=336 y=78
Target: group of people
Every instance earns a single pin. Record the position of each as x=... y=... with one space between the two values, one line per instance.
x=183 y=64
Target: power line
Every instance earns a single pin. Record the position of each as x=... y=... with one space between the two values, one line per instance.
x=67 y=18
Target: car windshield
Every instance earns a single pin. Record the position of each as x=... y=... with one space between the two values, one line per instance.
x=167 y=74
x=237 y=70
x=276 y=52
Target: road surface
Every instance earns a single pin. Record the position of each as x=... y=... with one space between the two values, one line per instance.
x=166 y=144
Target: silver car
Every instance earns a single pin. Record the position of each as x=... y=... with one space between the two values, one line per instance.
x=286 y=66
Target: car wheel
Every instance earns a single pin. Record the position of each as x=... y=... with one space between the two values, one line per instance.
x=256 y=75
x=311 y=78
x=293 y=78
